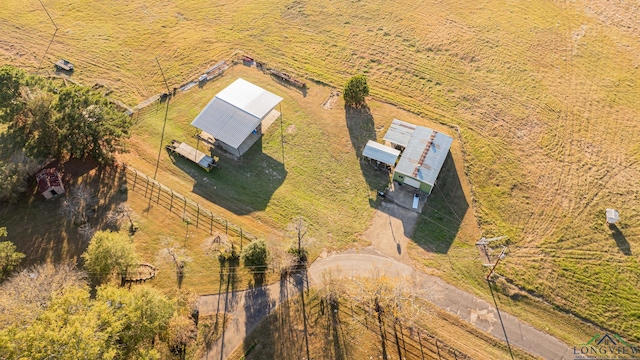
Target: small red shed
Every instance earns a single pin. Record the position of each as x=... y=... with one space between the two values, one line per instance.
x=50 y=183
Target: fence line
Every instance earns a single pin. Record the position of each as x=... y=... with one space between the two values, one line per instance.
x=190 y=211
x=415 y=345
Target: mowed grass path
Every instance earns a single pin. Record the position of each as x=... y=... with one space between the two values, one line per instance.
x=545 y=95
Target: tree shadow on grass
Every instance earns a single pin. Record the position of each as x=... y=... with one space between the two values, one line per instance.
x=443 y=212
x=361 y=128
x=241 y=185
x=620 y=239
x=40 y=230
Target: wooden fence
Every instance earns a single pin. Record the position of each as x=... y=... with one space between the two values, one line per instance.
x=190 y=211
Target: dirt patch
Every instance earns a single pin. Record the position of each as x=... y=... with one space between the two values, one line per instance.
x=331 y=100
x=291 y=129
x=390 y=230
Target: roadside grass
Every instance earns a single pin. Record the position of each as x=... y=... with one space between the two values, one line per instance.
x=350 y=331
x=545 y=95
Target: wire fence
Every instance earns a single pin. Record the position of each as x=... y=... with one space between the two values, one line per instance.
x=406 y=341
x=188 y=210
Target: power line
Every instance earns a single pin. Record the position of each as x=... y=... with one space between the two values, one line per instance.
x=49 y=15
x=53 y=37
x=166 y=113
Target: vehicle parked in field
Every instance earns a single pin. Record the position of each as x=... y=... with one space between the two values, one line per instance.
x=63 y=64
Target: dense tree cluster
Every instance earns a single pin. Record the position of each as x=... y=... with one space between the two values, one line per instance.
x=50 y=311
x=117 y=324
x=45 y=119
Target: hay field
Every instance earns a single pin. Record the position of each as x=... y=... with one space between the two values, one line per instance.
x=545 y=94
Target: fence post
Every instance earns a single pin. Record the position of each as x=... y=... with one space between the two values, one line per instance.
x=240 y=239
x=146 y=187
x=184 y=209
x=226 y=227
x=420 y=343
x=135 y=179
x=211 y=224
x=197 y=214
x=159 y=191
x=171 y=202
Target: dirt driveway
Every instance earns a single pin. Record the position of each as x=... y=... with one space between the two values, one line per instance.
x=390 y=229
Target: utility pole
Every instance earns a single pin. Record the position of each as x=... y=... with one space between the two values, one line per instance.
x=166 y=112
x=501 y=256
x=484 y=242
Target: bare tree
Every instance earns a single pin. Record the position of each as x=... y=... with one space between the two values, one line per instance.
x=121 y=212
x=80 y=205
x=298 y=230
x=26 y=294
x=280 y=259
x=175 y=254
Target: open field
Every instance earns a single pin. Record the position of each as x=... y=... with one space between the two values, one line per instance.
x=544 y=93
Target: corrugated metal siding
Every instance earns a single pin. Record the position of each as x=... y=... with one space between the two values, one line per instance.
x=235 y=112
x=428 y=170
x=382 y=153
x=399 y=132
x=226 y=122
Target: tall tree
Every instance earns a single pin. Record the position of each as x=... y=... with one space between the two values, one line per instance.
x=109 y=253
x=90 y=125
x=10 y=81
x=356 y=90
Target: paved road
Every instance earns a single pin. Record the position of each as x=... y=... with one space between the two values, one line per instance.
x=255 y=304
x=247 y=309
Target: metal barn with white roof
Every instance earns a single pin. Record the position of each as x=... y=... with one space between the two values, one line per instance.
x=234 y=118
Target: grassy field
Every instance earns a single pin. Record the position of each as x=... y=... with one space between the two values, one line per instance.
x=544 y=93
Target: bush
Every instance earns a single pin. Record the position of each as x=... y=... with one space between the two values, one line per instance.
x=254 y=256
x=109 y=253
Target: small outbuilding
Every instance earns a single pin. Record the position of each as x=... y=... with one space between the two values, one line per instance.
x=237 y=116
x=422 y=158
x=381 y=154
x=612 y=216
x=50 y=183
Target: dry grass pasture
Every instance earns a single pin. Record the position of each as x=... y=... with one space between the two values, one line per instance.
x=545 y=94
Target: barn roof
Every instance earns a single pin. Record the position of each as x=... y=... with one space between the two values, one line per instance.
x=424 y=155
x=47 y=179
x=399 y=132
x=235 y=112
x=379 y=152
